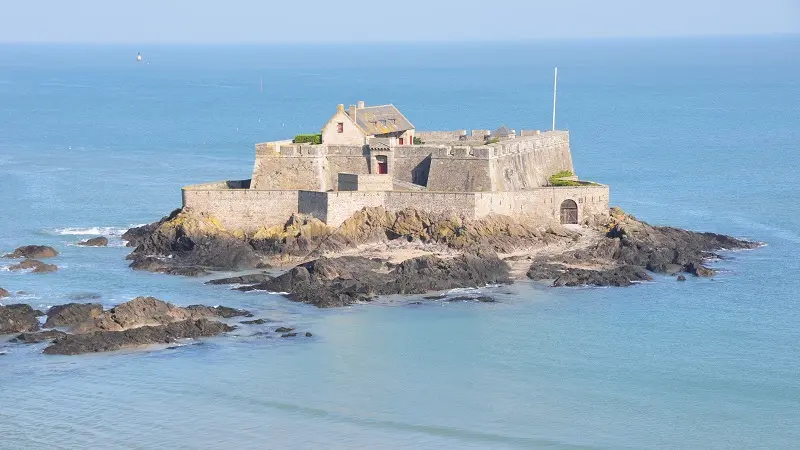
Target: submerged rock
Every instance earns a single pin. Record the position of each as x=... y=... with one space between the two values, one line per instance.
x=34 y=265
x=153 y=264
x=72 y=314
x=254 y=322
x=681 y=278
x=33 y=252
x=37 y=337
x=18 y=318
x=105 y=341
x=4 y=293
x=99 y=241
x=253 y=278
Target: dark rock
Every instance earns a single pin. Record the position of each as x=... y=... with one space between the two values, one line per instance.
x=263 y=265
x=33 y=252
x=288 y=335
x=308 y=334
x=435 y=297
x=572 y=276
x=104 y=341
x=4 y=293
x=36 y=266
x=699 y=270
x=254 y=322
x=143 y=311
x=218 y=311
x=191 y=240
x=81 y=296
x=72 y=314
x=243 y=279
x=37 y=337
x=156 y=265
x=99 y=241
x=332 y=282
x=467 y=298
x=681 y=278
x=18 y=319
x=283 y=330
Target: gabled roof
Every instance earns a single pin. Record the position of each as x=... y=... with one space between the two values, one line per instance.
x=381 y=120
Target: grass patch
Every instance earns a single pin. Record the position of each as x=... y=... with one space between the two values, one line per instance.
x=308 y=139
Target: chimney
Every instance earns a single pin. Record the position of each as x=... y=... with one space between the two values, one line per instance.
x=340 y=107
x=361 y=104
x=352 y=111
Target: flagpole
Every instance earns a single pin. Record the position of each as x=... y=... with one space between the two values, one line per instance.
x=555 y=89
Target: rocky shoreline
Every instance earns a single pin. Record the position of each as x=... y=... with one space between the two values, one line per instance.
x=358 y=260
x=374 y=253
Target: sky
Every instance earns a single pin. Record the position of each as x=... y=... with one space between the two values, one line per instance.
x=366 y=21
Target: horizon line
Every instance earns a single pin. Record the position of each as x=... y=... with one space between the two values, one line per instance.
x=793 y=34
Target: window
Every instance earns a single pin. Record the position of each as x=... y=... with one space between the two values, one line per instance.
x=340 y=127
x=401 y=141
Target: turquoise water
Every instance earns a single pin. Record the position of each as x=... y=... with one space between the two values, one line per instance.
x=698 y=134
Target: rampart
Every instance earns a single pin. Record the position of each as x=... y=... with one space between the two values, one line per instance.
x=251 y=209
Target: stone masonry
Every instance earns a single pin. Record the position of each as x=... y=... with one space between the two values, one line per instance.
x=470 y=175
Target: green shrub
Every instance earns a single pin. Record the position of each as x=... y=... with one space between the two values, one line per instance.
x=417 y=141
x=557 y=179
x=308 y=139
x=493 y=140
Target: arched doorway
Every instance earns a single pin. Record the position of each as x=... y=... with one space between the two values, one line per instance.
x=569 y=212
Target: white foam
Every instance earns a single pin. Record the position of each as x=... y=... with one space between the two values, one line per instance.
x=95 y=231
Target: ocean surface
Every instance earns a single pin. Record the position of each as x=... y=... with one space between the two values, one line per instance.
x=701 y=134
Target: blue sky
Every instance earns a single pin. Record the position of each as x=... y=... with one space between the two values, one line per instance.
x=231 y=21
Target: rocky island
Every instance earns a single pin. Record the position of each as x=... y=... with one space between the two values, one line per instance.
x=370 y=206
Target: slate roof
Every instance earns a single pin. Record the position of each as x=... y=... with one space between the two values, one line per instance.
x=381 y=120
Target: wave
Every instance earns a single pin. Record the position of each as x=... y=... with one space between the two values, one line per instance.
x=95 y=231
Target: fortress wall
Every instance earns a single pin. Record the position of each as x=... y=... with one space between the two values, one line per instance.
x=543 y=205
x=313 y=203
x=242 y=209
x=441 y=136
x=529 y=162
x=460 y=169
x=460 y=204
x=344 y=163
x=289 y=172
x=411 y=164
x=341 y=205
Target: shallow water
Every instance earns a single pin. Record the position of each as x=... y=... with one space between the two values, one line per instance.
x=696 y=134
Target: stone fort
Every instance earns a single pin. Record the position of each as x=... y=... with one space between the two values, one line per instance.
x=373 y=156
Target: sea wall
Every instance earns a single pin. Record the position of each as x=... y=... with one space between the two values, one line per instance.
x=241 y=209
x=543 y=205
x=529 y=161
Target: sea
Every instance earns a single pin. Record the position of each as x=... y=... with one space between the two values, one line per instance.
x=698 y=133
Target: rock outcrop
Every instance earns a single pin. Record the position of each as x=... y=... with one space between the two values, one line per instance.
x=34 y=266
x=33 y=252
x=99 y=241
x=105 y=341
x=332 y=282
x=72 y=314
x=18 y=319
x=150 y=311
x=190 y=241
x=4 y=293
x=630 y=247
